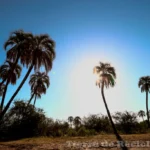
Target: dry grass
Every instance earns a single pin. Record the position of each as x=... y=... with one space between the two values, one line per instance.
x=43 y=140
x=46 y=143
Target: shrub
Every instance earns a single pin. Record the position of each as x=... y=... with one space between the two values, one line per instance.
x=71 y=132
x=83 y=132
x=22 y=121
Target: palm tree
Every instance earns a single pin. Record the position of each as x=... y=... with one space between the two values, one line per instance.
x=70 y=120
x=18 y=44
x=39 y=82
x=141 y=113
x=144 y=84
x=107 y=76
x=11 y=76
x=2 y=88
x=38 y=51
x=77 y=122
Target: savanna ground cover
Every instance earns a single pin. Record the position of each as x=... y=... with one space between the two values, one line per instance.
x=139 y=141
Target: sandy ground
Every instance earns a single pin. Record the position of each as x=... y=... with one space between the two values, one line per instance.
x=56 y=147
x=133 y=142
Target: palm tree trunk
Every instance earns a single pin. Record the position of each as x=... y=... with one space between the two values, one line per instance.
x=147 y=109
x=12 y=69
x=3 y=82
x=120 y=140
x=4 y=94
x=16 y=92
x=34 y=100
x=143 y=118
x=30 y=99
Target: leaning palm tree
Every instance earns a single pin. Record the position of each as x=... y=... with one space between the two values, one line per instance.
x=11 y=76
x=39 y=82
x=39 y=52
x=144 y=84
x=107 y=76
x=141 y=114
x=70 y=120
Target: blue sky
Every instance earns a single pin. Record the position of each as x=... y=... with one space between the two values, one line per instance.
x=85 y=32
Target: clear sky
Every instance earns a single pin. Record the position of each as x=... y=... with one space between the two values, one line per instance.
x=85 y=32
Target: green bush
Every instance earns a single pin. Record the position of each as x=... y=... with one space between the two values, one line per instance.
x=83 y=132
x=92 y=132
x=71 y=132
x=22 y=121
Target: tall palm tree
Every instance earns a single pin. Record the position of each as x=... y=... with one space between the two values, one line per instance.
x=39 y=82
x=144 y=84
x=77 y=122
x=18 y=44
x=11 y=76
x=70 y=120
x=141 y=113
x=39 y=51
x=107 y=76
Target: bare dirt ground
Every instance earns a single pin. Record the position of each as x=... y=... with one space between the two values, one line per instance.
x=100 y=142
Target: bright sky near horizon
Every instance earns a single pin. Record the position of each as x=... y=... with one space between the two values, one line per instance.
x=85 y=32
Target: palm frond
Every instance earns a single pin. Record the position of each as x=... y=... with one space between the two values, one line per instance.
x=107 y=74
x=144 y=83
x=39 y=82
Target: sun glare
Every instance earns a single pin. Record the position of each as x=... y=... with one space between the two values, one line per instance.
x=85 y=96
x=82 y=85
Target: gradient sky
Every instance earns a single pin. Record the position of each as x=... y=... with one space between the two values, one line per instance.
x=85 y=32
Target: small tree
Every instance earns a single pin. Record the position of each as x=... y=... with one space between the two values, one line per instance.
x=126 y=122
x=77 y=122
x=141 y=114
x=70 y=120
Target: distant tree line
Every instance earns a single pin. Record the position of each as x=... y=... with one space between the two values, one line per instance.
x=22 y=122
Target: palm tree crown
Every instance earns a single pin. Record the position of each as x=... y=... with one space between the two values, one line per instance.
x=144 y=83
x=6 y=72
x=39 y=82
x=141 y=113
x=41 y=52
x=18 y=43
x=35 y=50
x=106 y=74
